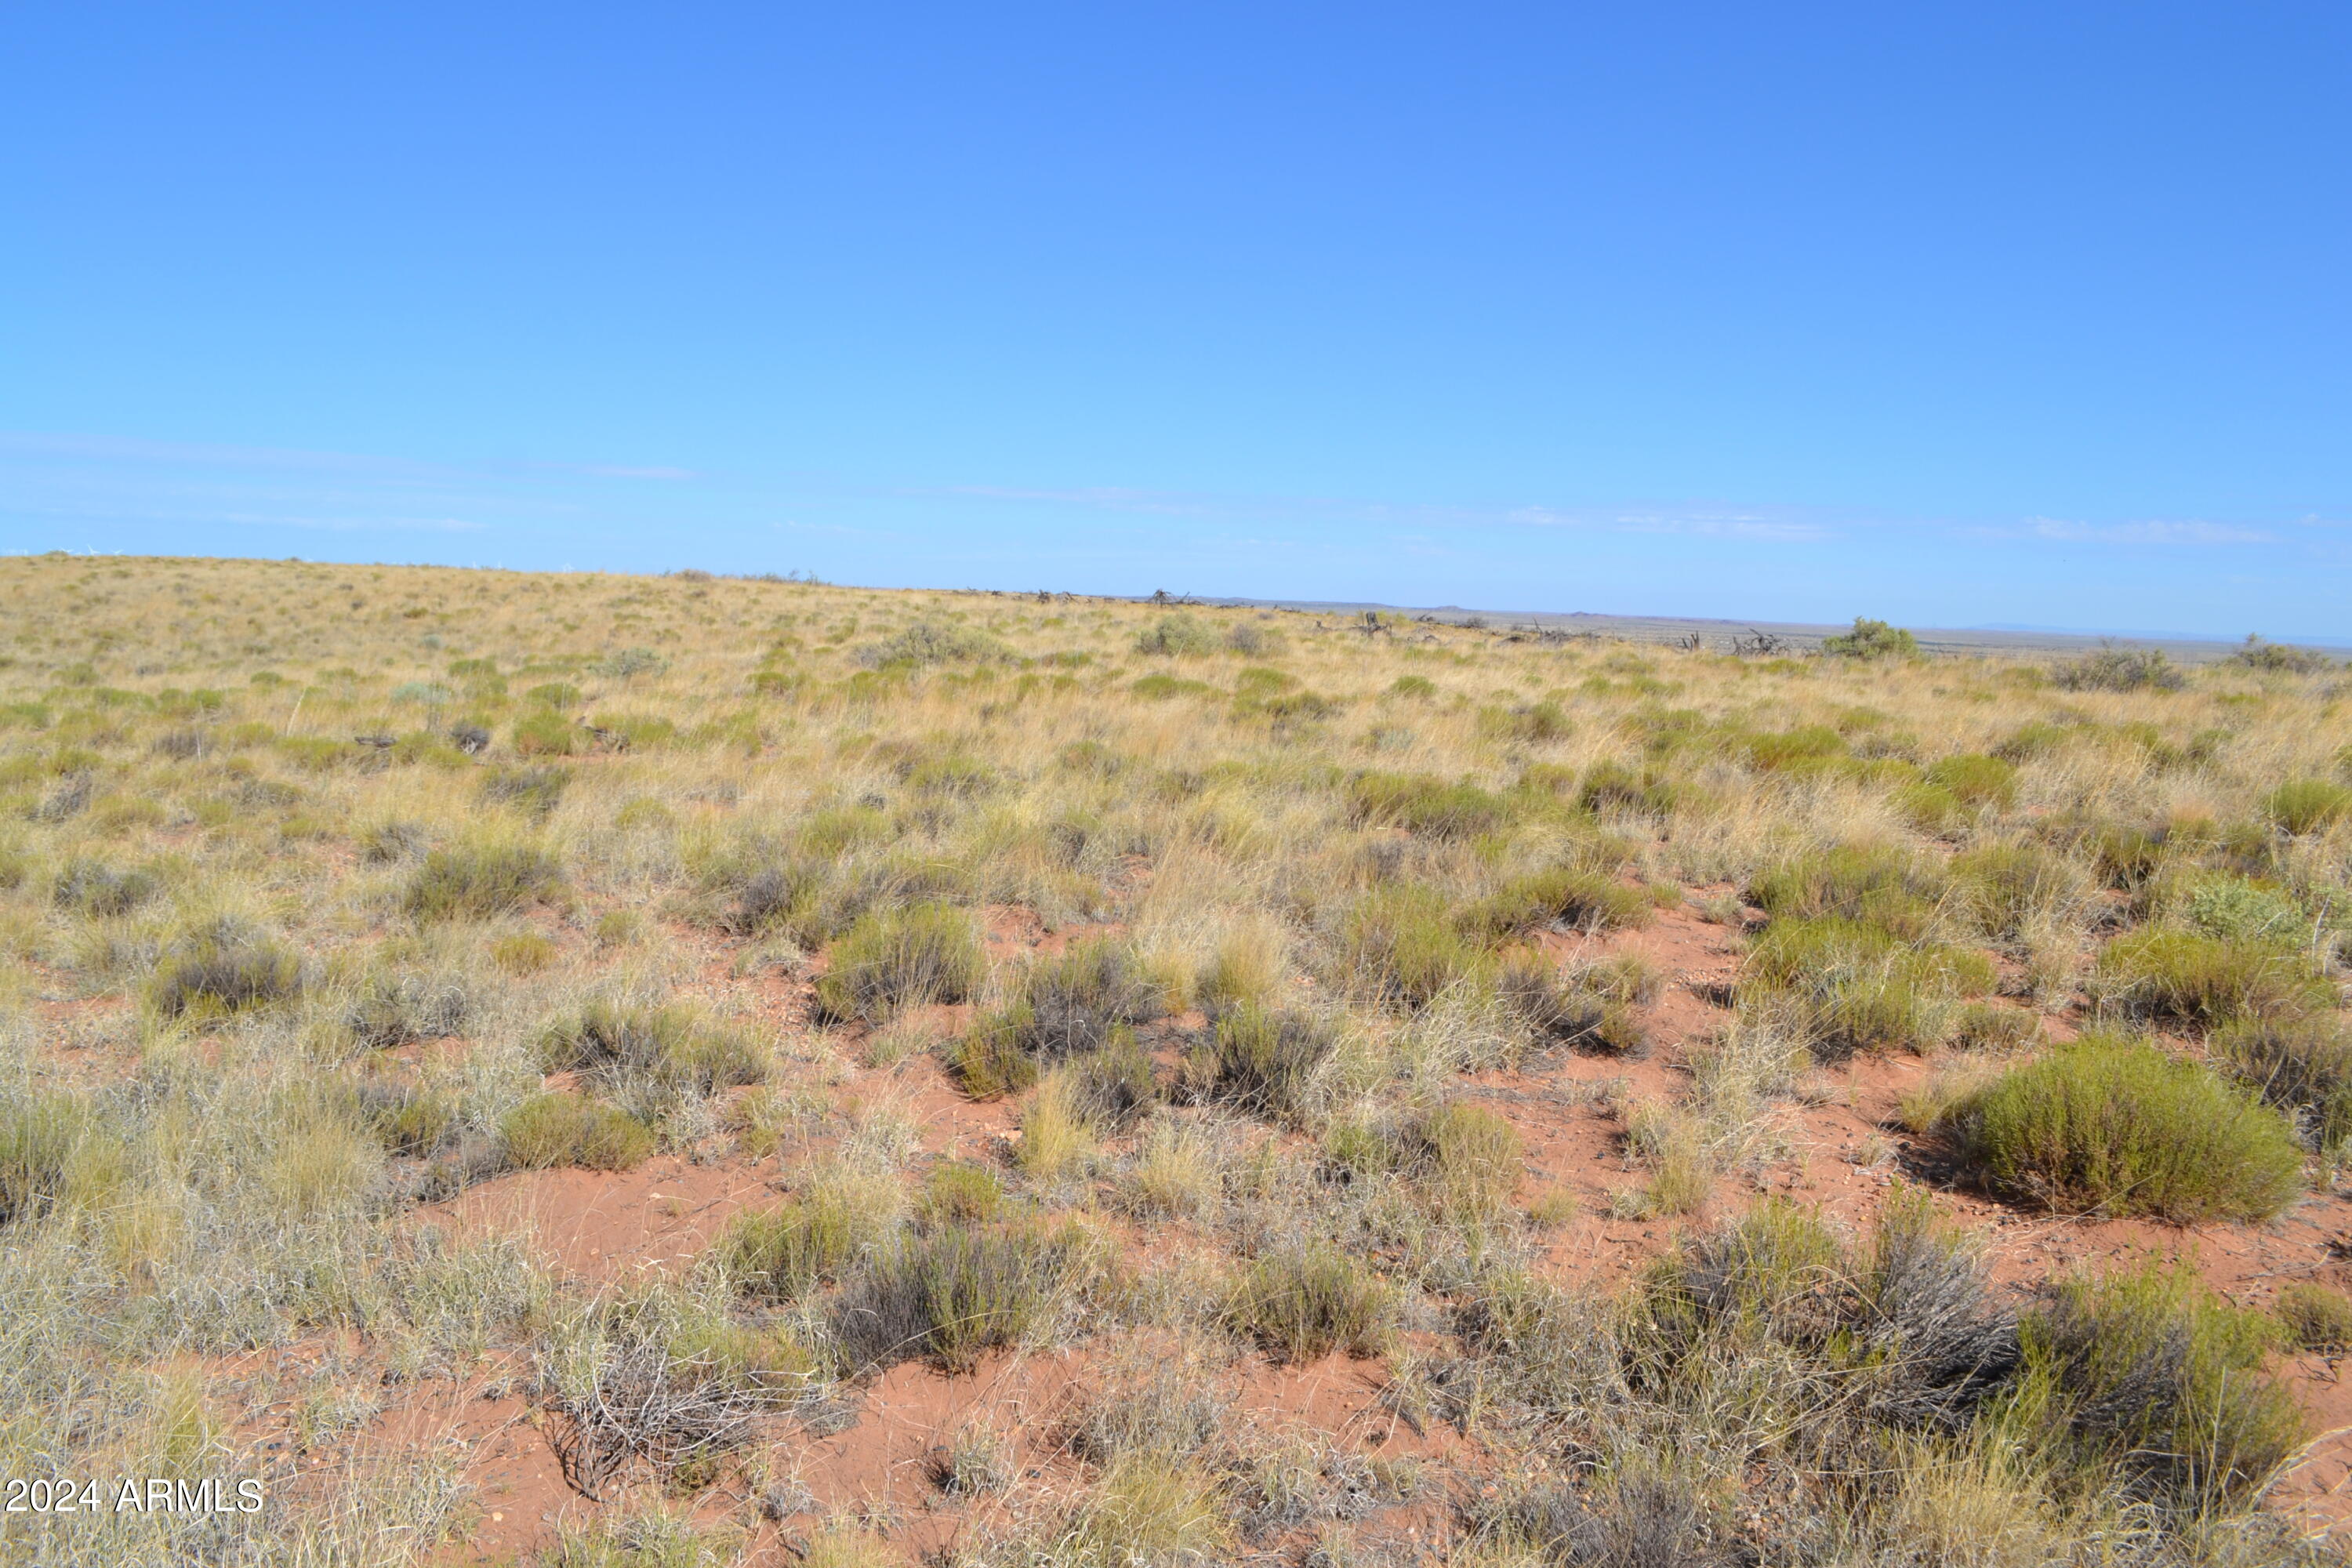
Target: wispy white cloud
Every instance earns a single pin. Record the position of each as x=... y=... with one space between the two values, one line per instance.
x=2150 y=531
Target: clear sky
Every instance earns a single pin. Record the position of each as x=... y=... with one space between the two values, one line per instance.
x=1960 y=314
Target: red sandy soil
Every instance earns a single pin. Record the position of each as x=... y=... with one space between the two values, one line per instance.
x=1843 y=1153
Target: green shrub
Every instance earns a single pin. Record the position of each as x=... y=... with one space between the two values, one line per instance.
x=1312 y=1300
x=551 y=1130
x=2278 y=658
x=934 y=642
x=2111 y=1126
x=558 y=1128
x=2239 y=909
x=1879 y=884
x=546 y=734
x=481 y=878
x=222 y=968
x=2159 y=1377
x=1400 y=942
x=904 y=957
x=1174 y=636
x=953 y=1294
x=1975 y=781
x=1580 y=900
x=2301 y=1066
x=555 y=694
x=2119 y=669
x=2162 y=974
x=2303 y=806
x=2316 y=1318
x=1871 y=639
x=1423 y=804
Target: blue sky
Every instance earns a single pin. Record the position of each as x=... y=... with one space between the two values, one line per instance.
x=1960 y=315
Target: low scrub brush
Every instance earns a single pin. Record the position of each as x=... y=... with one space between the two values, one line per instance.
x=2109 y=1125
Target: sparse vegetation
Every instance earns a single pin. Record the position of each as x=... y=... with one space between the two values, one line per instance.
x=637 y=1013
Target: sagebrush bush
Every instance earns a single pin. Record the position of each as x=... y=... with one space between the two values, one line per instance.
x=1175 y=635
x=2162 y=974
x=903 y=957
x=551 y=1130
x=478 y=879
x=2119 y=669
x=2110 y=1125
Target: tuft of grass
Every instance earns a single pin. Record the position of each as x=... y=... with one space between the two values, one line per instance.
x=955 y=1293
x=961 y=1192
x=668 y=1046
x=221 y=968
x=1309 y=1301
x=2316 y=1318
x=2303 y=1067
x=784 y=1252
x=522 y=952
x=1145 y=1510
x=1403 y=945
x=38 y=1134
x=1877 y=884
x=94 y=887
x=1426 y=806
x=1856 y=987
x=2109 y=1125
x=552 y=1129
x=1264 y=1060
x=902 y=957
x=480 y=878
x=1054 y=1136
x=1178 y=635
x=2163 y=973
x=1562 y=896
x=2151 y=1373
x=2305 y=805
x=1474 y=1158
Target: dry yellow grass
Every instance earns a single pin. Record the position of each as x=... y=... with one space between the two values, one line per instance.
x=269 y=830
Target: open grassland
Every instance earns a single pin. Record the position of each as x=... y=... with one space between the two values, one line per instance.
x=652 y=1072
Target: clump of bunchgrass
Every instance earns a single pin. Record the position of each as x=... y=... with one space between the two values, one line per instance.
x=222 y=967
x=953 y=1294
x=482 y=877
x=551 y=1130
x=2167 y=974
x=1312 y=1300
x=902 y=957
